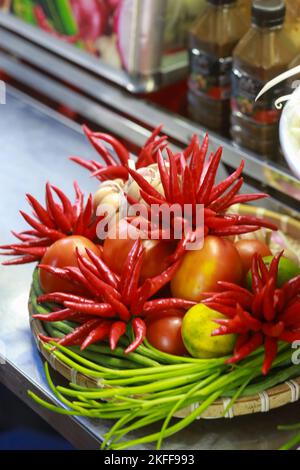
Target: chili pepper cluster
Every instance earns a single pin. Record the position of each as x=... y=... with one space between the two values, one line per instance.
x=112 y=301
x=116 y=166
x=52 y=223
x=262 y=317
x=187 y=178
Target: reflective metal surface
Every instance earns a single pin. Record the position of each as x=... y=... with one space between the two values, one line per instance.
x=35 y=144
x=168 y=72
x=120 y=112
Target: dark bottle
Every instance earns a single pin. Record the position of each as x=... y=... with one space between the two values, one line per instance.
x=212 y=40
x=262 y=54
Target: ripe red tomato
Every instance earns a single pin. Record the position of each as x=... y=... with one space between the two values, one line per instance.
x=115 y=252
x=201 y=270
x=248 y=248
x=62 y=254
x=165 y=334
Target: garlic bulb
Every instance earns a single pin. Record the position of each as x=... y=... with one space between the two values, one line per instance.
x=109 y=193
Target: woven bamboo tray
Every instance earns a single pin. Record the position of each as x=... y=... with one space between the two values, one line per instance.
x=283 y=394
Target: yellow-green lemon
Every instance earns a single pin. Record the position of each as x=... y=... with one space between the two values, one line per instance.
x=197 y=327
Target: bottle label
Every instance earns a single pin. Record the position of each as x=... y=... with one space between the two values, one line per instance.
x=210 y=75
x=245 y=89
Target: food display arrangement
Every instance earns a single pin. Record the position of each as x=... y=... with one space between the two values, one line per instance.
x=145 y=328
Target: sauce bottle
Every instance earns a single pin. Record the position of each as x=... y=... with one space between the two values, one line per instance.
x=264 y=52
x=212 y=40
x=293 y=21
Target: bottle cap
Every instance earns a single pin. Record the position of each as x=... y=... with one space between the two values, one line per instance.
x=268 y=13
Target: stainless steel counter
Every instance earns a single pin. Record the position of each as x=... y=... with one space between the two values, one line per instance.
x=35 y=144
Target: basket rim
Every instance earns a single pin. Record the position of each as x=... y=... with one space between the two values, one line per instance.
x=275 y=397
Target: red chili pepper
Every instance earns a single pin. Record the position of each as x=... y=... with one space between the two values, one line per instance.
x=128 y=269
x=166 y=304
x=78 y=206
x=90 y=165
x=235 y=230
x=230 y=312
x=221 y=203
x=163 y=173
x=190 y=148
x=88 y=212
x=99 y=147
x=224 y=185
x=66 y=203
x=145 y=157
x=243 y=198
x=41 y=213
x=139 y=330
x=43 y=229
x=257 y=303
x=251 y=322
x=97 y=309
x=60 y=315
x=151 y=200
x=268 y=303
x=37 y=252
x=257 y=283
x=264 y=273
x=246 y=219
x=102 y=287
x=158 y=282
x=174 y=188
x=197 y=161
x=60 y=297
x=254 y=342
x=145 y=186
x=62 y=273
x=80 y=332
x=273 y=330
x=273 y=270
x=154 y=134
x=100 y=333
x=209 y=178
x=111 y=172
x=119 y=148
x=57 y=214
x=118 y=329
x=132 y=293
x=290 y=336
x=188 y=188
x=109 y=294
x=234 y=287
x=103 y=269
x=291 y=288
x=271 y=349
x=292 y=312
x=219 y=222
x=240 y=342
x=20 y=260
x=233 y=326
